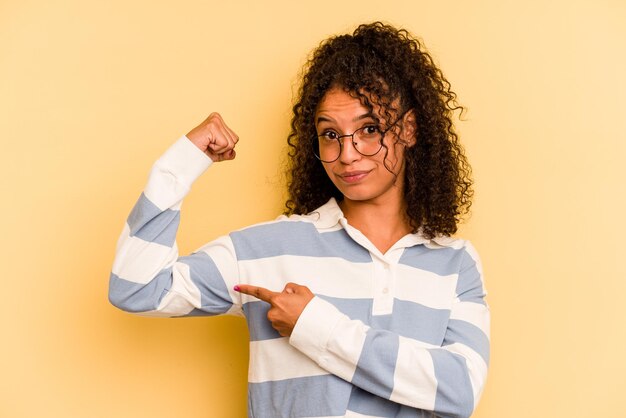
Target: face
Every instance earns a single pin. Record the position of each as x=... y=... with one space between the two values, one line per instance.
x=364 y=178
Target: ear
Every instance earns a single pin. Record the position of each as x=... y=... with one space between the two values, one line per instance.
x=409 y=129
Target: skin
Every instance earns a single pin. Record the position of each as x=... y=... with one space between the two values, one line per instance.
x=373 y=197
x=215 y=138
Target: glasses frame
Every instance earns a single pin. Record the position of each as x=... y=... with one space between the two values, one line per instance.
x=339 y=139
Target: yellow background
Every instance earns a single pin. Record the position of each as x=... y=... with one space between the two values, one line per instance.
x=91 y=93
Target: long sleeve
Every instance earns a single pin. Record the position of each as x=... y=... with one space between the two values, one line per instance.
x=447 y=380
x=148 y=276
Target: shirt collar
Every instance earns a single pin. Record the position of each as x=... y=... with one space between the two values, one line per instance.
x=329 y=215
x=326 y=216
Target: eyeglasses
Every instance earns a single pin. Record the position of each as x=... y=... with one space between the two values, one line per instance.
x=367 y=140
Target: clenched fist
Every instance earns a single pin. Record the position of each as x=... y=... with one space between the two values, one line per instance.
x=214 y=138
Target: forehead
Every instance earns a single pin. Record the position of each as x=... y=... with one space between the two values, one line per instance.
x=338 y=100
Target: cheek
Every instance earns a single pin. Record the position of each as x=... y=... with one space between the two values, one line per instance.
x=328 y=168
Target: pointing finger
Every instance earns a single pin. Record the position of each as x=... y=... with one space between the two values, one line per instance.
x=256 y=291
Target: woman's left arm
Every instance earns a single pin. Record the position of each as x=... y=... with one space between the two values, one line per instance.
x=447 y=380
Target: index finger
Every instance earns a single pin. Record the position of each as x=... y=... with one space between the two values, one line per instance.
x=256 y=291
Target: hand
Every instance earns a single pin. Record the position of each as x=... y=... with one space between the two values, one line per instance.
x=214 y=138
x=286 y=305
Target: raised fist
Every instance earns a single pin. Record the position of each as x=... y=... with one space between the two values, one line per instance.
x=214 y=138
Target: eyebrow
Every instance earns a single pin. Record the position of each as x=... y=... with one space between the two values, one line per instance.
x=363 y=116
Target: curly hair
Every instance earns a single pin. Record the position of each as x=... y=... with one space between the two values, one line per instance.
x=379 y=64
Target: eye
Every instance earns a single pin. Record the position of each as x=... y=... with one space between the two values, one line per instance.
x=371 y=130
x=330 y=135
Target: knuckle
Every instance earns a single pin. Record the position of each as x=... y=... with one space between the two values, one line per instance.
x=215 y=119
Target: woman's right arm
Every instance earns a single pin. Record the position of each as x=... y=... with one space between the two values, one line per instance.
x=148 y=276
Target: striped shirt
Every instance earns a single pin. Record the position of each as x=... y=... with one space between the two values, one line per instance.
x=399 y=334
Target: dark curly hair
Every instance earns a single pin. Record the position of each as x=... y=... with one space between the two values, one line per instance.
x=379 y=64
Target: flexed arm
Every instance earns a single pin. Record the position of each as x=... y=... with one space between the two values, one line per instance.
x=147 y=276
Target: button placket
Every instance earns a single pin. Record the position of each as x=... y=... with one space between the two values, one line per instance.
x=383 y=288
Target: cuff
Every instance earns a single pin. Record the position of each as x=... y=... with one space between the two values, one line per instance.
x=315 y=328
x=185 y=161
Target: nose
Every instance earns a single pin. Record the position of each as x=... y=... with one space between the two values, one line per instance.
x=348 y=153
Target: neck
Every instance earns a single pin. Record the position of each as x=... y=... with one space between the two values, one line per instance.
x=382 y=222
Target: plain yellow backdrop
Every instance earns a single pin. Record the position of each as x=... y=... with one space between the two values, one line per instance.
x=92 y=92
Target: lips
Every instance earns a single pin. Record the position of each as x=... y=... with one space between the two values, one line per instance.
x=353 y=176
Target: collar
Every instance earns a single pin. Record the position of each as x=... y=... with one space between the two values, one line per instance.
x=327 y=216
x=330 y=216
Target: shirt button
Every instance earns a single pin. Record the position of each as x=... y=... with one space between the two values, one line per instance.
x=386 y=290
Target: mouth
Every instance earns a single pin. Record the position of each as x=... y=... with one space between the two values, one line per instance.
x=353 y=176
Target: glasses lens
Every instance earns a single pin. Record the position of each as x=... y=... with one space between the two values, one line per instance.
x=368 y=140
x=328 y=149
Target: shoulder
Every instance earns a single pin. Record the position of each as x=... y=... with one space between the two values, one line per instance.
x=470 y=282
x=318 y=234
x=293 y=235
x=326 y=217
x=282 y=227
x=443 y=255
x=460 y=245
x=466 y=251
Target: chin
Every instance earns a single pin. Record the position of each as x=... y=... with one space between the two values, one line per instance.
x=354 y=194
x=367 y=193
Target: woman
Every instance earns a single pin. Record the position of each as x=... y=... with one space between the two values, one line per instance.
x=358 y=301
